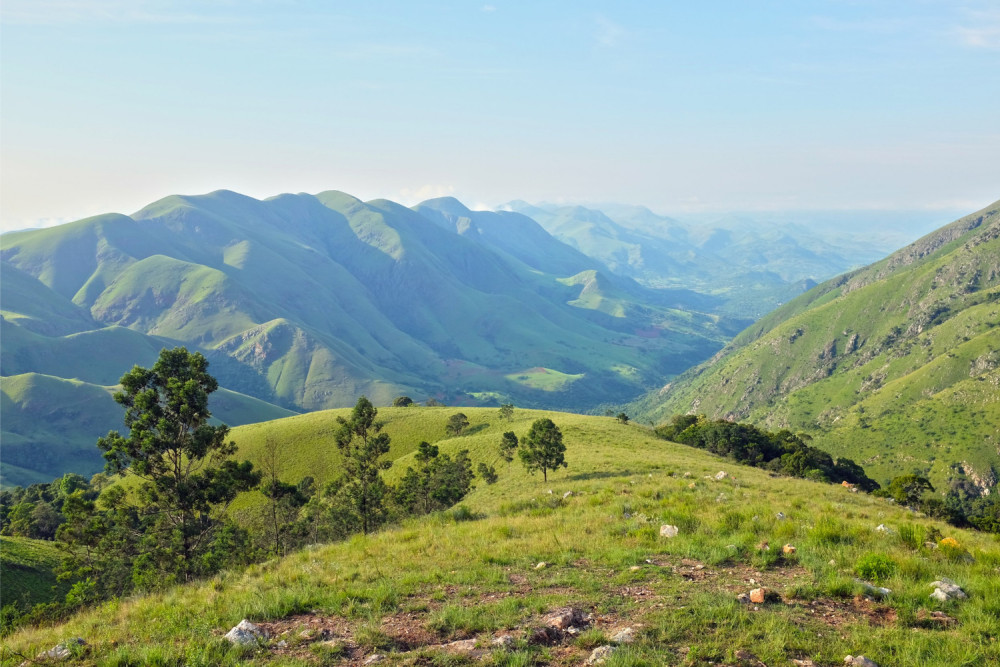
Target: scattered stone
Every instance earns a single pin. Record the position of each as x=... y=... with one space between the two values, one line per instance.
x=882 y=528
x=788 y=549
x=763 y=546
x=877 y=591
x=62 y=651
x=550 y=492
x=687 y=474
x=600 y=654
x=635 y=568
x=758 y=595
x=780 y=516
x=461 y=646
x=721 y=475
x=666 y=530
x=805 y=662
x=626 y=636
x=743 y=598
x=541 y=566
x=308 y=633
x=245 y=634
x=859 y=661
x=564 y=618
x=546 y=635
x=832 y=563
x=282 y=644
x=567 y=495
x=503 y=641
x=946 y=589
x=374 y=659
x=692 y=485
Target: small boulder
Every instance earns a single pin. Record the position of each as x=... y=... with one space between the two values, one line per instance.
x=877 y=591
x=600 y=654
x=62 y=651
x=626 y=636
x=788 y=549
x=946 y=589
x=374 y=659
x=562 y=619
x=635 y=568
x=780 y=516
x=567 y=495
x=758 y=595
x=743 y=598
x=666 y=530
x=503 y=641
x=245 y=634
x=461 y=646
x=721 y=475
x=859 y=661
x=882 y=528
x=541 y=566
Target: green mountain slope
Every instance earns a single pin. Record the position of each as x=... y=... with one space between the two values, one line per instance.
x=406 y=591
x=895 y=365
x=309 y=301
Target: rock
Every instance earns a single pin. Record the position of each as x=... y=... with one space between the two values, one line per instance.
x=946 y=589
x=758 y=595
x=635 y=568
x=687 y=474
x=541 y=566
x=503 y=641
x=245 y=634
x=882 y=528
x=600 y=654
x=763 y=546
x=62 y=651
x=743 y=598
x=546 y=635
x=877 y=591
x=780 y=516
x=564 y=618
x=666 y=530
x=461 y=646
x=832 y=563
x=626 y=636
x=721 y=475
x=374 y=659
x=567 y=495
x=281 y=644
x=859 y=661
x=692 y=485
x=788 y=549
x=805 y=662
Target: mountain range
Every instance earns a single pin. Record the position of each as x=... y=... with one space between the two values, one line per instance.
x=303 y=302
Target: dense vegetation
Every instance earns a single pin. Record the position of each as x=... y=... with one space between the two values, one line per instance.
x=894 y=365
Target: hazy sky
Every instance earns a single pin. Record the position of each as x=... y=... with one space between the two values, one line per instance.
x=110 y=104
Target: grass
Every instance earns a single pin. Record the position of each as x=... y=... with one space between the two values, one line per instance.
x=431 y=580
x=26 y=568
x=545 y=379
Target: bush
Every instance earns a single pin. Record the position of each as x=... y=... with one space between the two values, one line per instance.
x=876 y=568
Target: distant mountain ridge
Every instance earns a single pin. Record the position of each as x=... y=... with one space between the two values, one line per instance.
x=896 y=365
x=308 y=301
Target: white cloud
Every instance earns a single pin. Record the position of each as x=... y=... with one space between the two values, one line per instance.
x=488 y=9
x=609 y=33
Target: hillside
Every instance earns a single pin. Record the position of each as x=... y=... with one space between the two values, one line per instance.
x=306 y=302
x=894 y=365
x=475 y=573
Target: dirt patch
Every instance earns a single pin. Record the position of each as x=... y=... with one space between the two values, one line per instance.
x=836 y=613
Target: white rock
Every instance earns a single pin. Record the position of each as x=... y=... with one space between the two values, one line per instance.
x=62 y=651
x=378 y=657
x=600 y=654
x=859 y=661
x=780 y=516
x=626 y=636
x=666 y=530
x=567 y=495
x=503 y=641
x=541 y=566
x=245 y=634
x=946 y=589
x=882 y=528
x=721 y=475
x=461 y=646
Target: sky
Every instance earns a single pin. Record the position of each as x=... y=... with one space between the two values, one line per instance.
x=108 y=105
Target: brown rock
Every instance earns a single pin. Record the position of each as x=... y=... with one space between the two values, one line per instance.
x=788 y=549
x=564 y=618
x=758 y=595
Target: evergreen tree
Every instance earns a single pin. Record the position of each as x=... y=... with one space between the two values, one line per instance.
x=361 y=491
x=542 y=448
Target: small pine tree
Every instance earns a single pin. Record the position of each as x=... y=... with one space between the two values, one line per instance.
x=508 y=445
x=361 y=488
x=542 y=448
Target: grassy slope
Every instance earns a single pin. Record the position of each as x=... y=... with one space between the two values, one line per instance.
x=50 y=424
x=26 y=568
x=894 y=365
x=432 y=580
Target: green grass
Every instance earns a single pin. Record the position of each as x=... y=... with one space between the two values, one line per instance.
x=26 y=571
x=894 y=365
x=444 y=580
x=544 y=379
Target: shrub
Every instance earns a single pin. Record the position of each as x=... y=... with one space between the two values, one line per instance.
x=876 y=568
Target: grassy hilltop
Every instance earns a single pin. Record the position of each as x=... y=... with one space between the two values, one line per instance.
x=473 y=573
x=895 y=365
